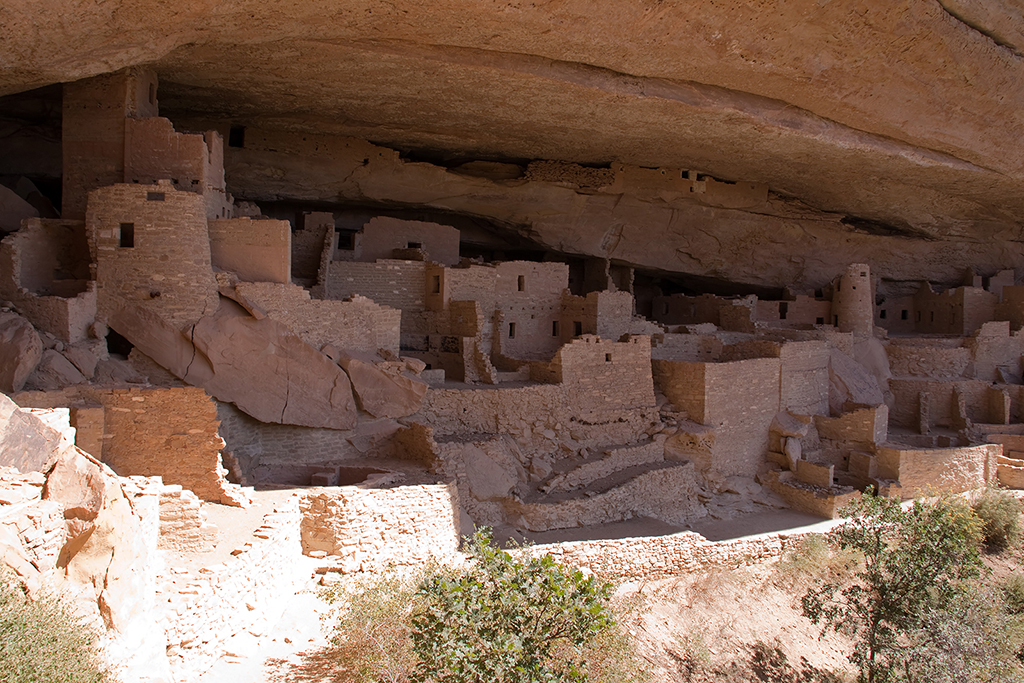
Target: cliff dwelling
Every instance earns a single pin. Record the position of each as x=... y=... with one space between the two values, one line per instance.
x=599 y=301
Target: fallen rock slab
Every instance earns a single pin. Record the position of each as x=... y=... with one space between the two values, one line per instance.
x=383 y=389
x=26 y=442
x=20 y=351
x=261 y=366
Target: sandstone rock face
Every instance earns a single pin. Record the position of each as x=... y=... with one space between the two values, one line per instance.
x=383 y=389
x=902 y=119
x=487 y=479
x=13 y=210
x=20 y=351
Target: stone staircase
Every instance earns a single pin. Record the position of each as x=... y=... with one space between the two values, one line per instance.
x=617 y=484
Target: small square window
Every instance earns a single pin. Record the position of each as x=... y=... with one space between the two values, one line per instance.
x=126 y=238
x=155 y=196
x=607 y=358
x=236 y=136
x=819 y=321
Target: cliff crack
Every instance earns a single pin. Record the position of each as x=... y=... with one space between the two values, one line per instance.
x=974 y=25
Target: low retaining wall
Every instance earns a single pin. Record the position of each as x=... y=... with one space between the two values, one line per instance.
x=370 y=529
x=663 y=556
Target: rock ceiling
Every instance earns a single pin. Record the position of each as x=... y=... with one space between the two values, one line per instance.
x=901 y=114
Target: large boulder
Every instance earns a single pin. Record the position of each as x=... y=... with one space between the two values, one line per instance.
x=487 y=479
x=385 y=389
x=852 y=386
x=54 y=372
x=20 y=351
x=13 y=210
x=79 y=484
x=26 y=442
x=261 y=366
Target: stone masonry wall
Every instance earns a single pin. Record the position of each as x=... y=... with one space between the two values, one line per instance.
x=31 y=259
x=369 y=529
x=742 y=399
x=804 y=380
x=167 y=432
x=207 y=609
x=383 y=235
x=358 y=324
x=939 y=469
x=308 y=244
x=604 y=379
x=192 y=162
x=393 y=283
x=256 y=250
x=165 y=263
x=663 y=556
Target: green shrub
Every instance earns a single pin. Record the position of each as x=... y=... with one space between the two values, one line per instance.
x=507 y=620
x=371 y=635
x=1000 y=513
x=1013 y=594
x=42 y=642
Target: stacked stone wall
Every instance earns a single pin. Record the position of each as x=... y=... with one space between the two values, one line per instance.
x=308 y=244
x=206 y=608
x=358 y=324
x=165 y=264
x=804 y=381
x=921 y=471
x=153 y=432
x=192 y=162
x=664 y=556
x=392 y=283
x=382 y=235
x=44 y=272
x=370 y=529
x=256 y=250
x=928 y=361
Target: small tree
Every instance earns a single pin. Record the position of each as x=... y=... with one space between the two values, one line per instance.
x=507 y=620
x=915 y=562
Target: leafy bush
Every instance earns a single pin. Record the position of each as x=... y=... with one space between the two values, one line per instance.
x=507 y=620
x=371 y=637
x=1013 y=594
x=42 y=642
x=1000 y=513
x=498 y=619
x=917 y=562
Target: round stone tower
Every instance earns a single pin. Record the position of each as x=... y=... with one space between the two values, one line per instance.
x=853 y=306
